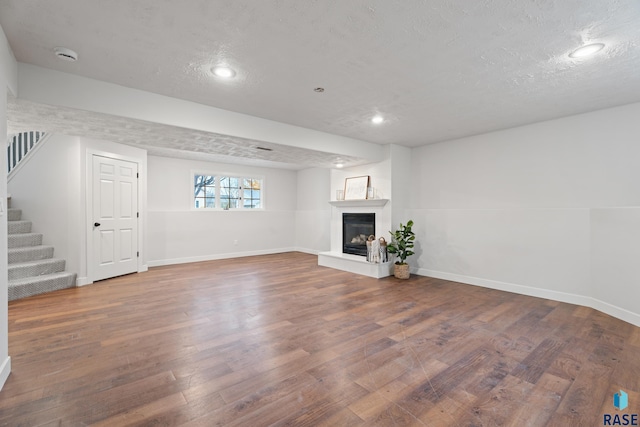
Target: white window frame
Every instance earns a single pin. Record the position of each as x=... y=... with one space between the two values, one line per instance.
x=218 y=207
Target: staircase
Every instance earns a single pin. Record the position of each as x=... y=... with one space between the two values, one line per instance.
x=19 y=146
x=32 y=268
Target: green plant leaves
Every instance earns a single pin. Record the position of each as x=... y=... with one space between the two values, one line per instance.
x=402 y=241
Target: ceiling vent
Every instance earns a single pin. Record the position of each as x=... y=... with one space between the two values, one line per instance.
x=66 y=54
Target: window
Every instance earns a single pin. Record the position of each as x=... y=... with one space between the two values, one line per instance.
x=230 y=192
x=252 y=193
x=205 y=191
x=226 y=192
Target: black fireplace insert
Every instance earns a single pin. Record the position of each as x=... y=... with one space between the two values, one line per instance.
x=356 y=229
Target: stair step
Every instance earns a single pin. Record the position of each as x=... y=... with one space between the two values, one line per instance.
x=32 y=270
x=19 y=227
x=33 y=253
x=22 y=240
x=14 y=214
x=22 y=288
x=36 y=268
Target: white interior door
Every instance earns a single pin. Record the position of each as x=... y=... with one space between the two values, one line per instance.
x=115 y=217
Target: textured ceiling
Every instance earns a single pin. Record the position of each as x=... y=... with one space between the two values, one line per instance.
x=164 y=140
x=436 y=69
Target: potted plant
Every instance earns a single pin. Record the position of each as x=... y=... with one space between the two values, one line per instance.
x=401 y=245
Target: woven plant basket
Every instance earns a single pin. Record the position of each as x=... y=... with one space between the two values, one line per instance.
x=401 y=271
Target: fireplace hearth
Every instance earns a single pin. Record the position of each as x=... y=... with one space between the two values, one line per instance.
x=356 y=229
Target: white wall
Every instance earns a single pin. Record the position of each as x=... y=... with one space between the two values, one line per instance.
x=402 y=184
x=549 y=209
x=8 y=85
x=176 y=233
x=313 y=212
x=58 y=173
x=50 y=189
x=379 y=173
x=47 y=190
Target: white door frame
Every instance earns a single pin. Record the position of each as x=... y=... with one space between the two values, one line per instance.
x=88 y=226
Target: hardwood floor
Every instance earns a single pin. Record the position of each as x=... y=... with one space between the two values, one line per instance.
x=278 y=340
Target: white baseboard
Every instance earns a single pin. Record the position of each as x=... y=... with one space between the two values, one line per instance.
x=82 y=281
x=215 y=257
x=5 y=370
x=307 y=251
x=617 y=312
x=143 y=268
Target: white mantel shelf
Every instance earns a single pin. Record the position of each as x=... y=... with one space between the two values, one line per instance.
x=358 y=203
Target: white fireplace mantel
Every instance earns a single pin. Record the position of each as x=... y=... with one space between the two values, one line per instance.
x=358 y=203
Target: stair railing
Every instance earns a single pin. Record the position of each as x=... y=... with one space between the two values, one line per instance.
x=19 y=145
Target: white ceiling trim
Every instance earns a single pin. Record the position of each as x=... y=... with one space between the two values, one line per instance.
x=166 y=140
x=51 y=87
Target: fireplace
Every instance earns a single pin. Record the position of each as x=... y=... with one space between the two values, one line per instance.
x=379 y=219
x=356 y=229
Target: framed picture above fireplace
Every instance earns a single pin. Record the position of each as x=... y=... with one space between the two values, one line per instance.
x=356 y=188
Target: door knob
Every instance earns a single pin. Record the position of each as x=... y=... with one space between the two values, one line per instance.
x=96 y=224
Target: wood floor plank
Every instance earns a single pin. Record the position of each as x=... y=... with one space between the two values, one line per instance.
x=497 y=406
x=582 y=402
x=344 y=417
x=258 y=398
x=278 y=340
x=144 y=413
x=538 y=361
x=545 y=396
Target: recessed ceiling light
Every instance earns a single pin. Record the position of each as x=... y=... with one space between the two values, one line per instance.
x=223 y=71
x=339 y=165
x=66 y=54
x=586 y=50
x=377 y=119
